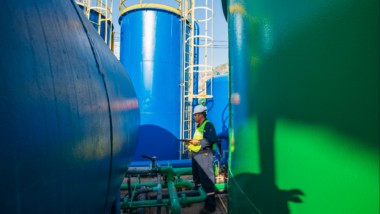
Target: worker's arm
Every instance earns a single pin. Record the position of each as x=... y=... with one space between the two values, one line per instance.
x=209 y=136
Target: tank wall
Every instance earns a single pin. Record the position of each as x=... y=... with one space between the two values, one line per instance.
x=150 y=52
x=304 y=106
x=218 y=106
x=218 y=110
x=68 y=134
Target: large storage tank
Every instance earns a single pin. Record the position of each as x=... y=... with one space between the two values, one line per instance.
x=69 y=117
x=150 y=52
x=304 y=106
x=218 y=109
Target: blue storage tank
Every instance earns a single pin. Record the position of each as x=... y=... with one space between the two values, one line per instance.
x=218 y=108
x=69 y=116
x=150 y=52
x=94 y=19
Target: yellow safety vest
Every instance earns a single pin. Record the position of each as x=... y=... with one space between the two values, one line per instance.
x=198 y=135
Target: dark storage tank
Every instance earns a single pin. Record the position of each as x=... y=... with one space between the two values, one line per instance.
x=150 y=52
x=304 y=106
x=69 y=117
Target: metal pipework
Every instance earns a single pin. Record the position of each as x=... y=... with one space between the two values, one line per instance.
x=165 y=202
x=183 y=183
x=148 y=170
x=187 y=194
x=159 y=193
x=139 y=170
x=141 y=197
x=174 y=201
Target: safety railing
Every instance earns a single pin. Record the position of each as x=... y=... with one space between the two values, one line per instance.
x=192 y=15
x=103 y=9
x=116 y=45
x=124 y=7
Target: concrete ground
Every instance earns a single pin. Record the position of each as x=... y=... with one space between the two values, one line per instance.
x=192 y=208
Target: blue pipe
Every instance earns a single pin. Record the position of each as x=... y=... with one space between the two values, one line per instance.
x=196 y=74
x=172 y=163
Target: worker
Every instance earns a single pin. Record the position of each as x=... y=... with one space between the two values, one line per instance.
x=202 y=158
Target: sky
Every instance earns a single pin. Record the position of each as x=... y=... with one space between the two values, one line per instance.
x=220 y=29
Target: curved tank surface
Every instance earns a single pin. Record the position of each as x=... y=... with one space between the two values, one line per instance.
x=69 y=116
x=218 y=107
x=150 y=52
x=304 y=106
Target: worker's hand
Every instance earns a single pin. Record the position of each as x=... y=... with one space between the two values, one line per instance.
x=187 y=143
x=195 y=142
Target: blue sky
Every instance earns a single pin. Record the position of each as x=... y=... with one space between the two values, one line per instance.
x=220 y=53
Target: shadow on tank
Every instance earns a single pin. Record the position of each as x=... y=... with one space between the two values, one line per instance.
x=261 y=193
x=154 y=140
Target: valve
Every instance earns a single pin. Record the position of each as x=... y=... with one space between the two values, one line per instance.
x=153 y=167
x=153 y=159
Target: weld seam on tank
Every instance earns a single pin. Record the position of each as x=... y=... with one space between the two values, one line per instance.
x=100 y=70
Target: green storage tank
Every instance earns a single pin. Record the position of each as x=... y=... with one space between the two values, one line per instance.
x=304 y=106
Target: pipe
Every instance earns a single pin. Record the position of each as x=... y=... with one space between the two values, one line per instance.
x=188 y=184
x=179 y=184
x=159 y=193
x=153 y=203
x=147 y=170
x=195 y=73
x=183 y=183
x=151 y=184
x=139 y=170
x=141 y=197
x=183 y=171
x=187 y=194
x=173 y=163
x=142 y=190
x=129 y=186
x=221 y=186
x=174 y=201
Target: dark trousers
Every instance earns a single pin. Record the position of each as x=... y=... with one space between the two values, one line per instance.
x=200 y=164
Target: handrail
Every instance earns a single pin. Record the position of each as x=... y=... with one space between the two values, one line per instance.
x=104 y=9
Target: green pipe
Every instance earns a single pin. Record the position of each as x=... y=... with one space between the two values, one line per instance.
x=221 y=186
x=183 y=171
x=176 y=171
x=183 y=200
x=188 y=184
x=178 y=184
x=152 y=184
x=174 y=202
x=192 y=200
x=134 y=191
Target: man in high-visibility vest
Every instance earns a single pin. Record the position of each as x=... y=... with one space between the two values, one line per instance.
x=202 y=158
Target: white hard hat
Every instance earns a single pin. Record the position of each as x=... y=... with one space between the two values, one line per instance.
x=200 y=109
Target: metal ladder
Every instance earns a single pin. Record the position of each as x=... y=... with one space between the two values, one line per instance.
x=104 y=9
x=189 y=9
